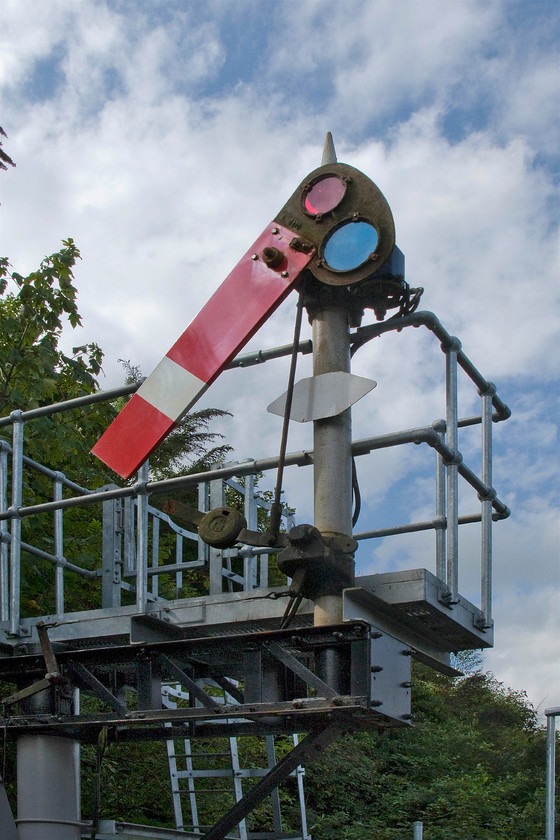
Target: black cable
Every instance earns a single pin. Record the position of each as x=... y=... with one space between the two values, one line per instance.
x=296 y=597
x=291 y=610
x=356 y=493
x=276 y=509
x=409 y=300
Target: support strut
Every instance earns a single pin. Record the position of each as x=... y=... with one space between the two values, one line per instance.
x=306 y=750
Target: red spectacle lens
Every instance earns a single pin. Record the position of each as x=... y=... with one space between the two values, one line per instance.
x=325 y=195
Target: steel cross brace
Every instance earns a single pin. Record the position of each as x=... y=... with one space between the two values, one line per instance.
x=299 y=669
x=306 y=750
x=178 y=673
x=84 y=677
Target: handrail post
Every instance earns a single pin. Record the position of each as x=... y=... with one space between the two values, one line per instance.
x=215 y=557
x=486 y=509
x=142 y=540
x=441 y=570
x=250 y=562
x=113 y=528
x=4 y=536
x=58 y=547
x=550 y=769
x=155 y=555
x=451 y=351
x=15 y=530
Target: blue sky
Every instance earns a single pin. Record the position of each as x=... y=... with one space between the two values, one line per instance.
x=163 y=136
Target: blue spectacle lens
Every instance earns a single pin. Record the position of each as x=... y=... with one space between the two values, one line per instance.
x=350 y=246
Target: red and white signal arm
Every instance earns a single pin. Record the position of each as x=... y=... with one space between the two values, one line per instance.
x=337 y=223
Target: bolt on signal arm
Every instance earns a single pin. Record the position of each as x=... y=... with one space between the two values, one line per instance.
x=315 y=229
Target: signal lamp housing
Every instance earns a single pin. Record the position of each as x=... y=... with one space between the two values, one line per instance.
x=341 y=213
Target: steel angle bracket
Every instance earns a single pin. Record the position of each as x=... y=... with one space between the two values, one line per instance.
x=360 y=604
x=412 y=618
x=413 y=598
x=51 y=677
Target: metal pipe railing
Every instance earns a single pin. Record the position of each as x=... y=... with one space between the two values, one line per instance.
x=357 y=338
x=442 y=436
x=58 y=548
x=4 y=537
x=452 y=464
x=241 y=361
x=53 y=559
x=302 y=458
x=486 y=509
x=432 y=322
x=551 y=715
x=15 y=528
x=142 y=539
x=68 y=405
x=440 y=517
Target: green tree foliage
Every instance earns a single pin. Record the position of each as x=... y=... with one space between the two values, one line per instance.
x=472 y=767
x=35 y=371
x=5 y=159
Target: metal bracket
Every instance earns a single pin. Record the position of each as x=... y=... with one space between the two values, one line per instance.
x=327 y=562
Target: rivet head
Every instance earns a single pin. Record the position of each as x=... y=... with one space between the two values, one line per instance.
x=284 y=274
x=275 y=231
x=254 y=257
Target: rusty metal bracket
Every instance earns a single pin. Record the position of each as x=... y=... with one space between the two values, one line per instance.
x=28 y=691
x=48 y=652
x=183 y=512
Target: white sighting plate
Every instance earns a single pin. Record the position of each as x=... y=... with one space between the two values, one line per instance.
x=326 y=395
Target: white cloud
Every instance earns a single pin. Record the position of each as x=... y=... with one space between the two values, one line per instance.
x=27 y=40
x=376 y=58
x=526 y=652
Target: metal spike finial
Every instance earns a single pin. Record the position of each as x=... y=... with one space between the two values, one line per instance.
x=329 y=154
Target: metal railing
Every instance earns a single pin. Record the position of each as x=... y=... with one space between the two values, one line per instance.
x=443 y=436
x=551 y=715
x=130 y=537
x=131 y=526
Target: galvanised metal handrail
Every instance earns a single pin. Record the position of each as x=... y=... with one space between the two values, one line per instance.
x=551 y=715
x=442 y=436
